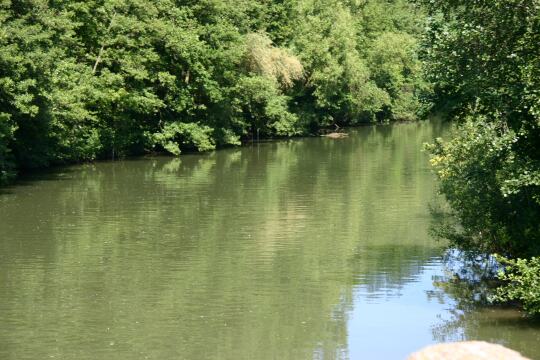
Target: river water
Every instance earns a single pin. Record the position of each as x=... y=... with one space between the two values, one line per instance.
x=301 y=249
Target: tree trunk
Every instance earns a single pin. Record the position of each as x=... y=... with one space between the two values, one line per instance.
x=100 y=54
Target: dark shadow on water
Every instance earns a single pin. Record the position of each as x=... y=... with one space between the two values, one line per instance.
x=34 y=176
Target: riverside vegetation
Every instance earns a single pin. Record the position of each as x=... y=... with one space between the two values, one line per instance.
x=85 y=80
x=90 y=80
x=484 y=60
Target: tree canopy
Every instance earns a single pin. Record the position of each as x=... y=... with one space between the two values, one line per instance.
x=82 y=80
x=484 y=57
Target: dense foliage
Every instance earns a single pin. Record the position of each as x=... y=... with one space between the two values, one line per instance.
x=484 y=60
x=81 y=80
x=523 y=278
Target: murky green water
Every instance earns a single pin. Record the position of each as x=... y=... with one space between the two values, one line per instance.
x=306 y=249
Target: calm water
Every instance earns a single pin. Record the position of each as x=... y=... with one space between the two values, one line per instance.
x=304 y=249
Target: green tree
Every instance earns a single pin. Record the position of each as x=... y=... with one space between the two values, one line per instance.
x=82 y=80
x=483 y=57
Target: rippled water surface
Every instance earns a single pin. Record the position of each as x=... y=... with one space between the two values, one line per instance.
x=303 y=249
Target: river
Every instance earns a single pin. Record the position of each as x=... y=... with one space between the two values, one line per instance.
x=303 y=249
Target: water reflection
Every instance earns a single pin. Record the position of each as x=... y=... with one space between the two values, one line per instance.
x=472 y=317
x=300 y=249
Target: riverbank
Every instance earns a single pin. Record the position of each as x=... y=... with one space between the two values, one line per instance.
x=285 y=249
x=172 y=78
x=13 y=178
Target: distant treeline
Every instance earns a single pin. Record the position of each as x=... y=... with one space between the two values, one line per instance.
x=82 y=80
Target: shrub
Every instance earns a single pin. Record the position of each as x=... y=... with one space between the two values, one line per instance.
x=522 y=283
x=492 y=188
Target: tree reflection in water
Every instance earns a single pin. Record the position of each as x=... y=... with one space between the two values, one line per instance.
x=466 y=285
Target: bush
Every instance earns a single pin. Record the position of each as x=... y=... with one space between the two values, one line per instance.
x=522 y=279
x=493 y=189
x=175 y=136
